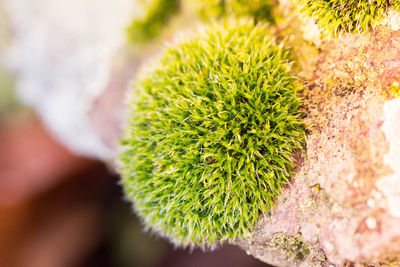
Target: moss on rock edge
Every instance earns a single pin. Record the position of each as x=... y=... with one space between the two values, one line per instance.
x=347 y=15
x=212 y=130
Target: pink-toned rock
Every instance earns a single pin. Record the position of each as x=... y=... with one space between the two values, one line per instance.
x=343 y=205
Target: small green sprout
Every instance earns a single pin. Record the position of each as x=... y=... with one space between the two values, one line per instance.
x=210 y=140
x=336 y=16
x=147 y=27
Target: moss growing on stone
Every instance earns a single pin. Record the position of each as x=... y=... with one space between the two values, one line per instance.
x=347 y=15
x=148 y=26
x=213 y=127
x=260 y=10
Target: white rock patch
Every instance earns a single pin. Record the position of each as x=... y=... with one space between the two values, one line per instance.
x=393 y=20
x=62 y=51
x=389 y=185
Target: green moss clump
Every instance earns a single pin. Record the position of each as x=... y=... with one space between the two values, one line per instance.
x=347 y=15
x=213 y=127
x=260 y=10
x=147 y=27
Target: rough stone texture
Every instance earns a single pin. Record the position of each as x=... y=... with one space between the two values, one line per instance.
x=343 y=206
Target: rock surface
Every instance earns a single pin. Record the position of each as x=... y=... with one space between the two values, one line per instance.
x=343 y=206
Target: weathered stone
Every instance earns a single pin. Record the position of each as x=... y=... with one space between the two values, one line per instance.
x=344 y=202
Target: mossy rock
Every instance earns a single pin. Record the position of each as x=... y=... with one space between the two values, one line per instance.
x=213 y=128
x=336 y=16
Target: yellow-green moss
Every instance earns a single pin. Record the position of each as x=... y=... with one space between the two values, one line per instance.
x=157 y=14
x=213 y=128
x=260 y=10
x=347 y=15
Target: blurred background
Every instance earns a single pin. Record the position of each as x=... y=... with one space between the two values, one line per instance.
x=64 y=68
x=58 y=209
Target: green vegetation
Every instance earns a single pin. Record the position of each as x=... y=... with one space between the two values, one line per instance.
x=213 y=127
x=158 y=13
x=260 y=10
x=347 y=15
